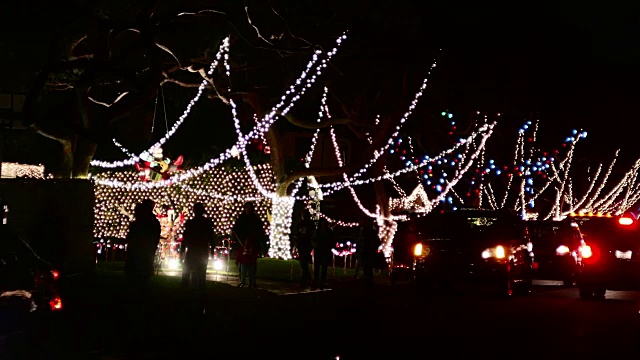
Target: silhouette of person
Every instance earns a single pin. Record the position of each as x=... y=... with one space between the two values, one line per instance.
x=370 y=244
x=142 y=242
x=359 y=250
x=305 y=232
x=322 y=252
x=198 y=232
x=249 y=230
x=49 y=239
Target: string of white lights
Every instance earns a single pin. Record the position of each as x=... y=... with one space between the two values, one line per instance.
x=487 y=131
x=314 y=139
x=483 y=131
x=414 y=103
x=224 y=48
x=258 y=131
x=627 y=179
x=331 y=220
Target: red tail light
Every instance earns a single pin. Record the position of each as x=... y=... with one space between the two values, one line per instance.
x=55 y=274
x=55 y=303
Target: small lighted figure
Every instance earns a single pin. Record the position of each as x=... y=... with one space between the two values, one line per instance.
x=154 y=166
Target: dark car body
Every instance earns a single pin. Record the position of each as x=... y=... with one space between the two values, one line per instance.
x=473 y=246
x=609 y=257
x=555 y=243
x=28 y=289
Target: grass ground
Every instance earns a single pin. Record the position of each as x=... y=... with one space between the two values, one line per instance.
x=268 y=269
x=95 y=315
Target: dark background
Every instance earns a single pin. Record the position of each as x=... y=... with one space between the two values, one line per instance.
x=572 y=66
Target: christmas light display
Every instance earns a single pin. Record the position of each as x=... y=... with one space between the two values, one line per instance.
x=155 y=166
x=377 y=153
x=550 y=175
x=416 y=202
x=466 y=161
x=293 y=94
x=222 y=51
x=222 y=192
x=482 y=133
x=620 y=197
x=282 y=205
x=281 y=227
x=527 y=176
x=15 y=170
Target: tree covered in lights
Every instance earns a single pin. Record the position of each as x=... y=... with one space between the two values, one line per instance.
x=548 y=184
x=256 y=108
x=110 y=61
x=454 y=166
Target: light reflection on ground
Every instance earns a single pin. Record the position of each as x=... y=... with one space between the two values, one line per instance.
x=279 y=288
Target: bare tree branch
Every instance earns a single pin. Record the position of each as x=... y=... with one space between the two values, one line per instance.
x=168 y=51
x=75 y=44
x=57 y=86
x=105 y=104
x=179 y=83
x=246 y=10
x=288 y=30
x=201 y=13
x=64 y=140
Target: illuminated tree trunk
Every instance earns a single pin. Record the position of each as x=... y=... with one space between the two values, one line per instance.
x=282 y=210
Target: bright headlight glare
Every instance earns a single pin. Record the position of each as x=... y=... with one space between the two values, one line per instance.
x=497 y=252
x=217 y=265
x=417 y=250
x=173 y=264
x=562 y=250
x=585 y=251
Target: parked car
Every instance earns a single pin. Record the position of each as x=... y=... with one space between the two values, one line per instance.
x=609 y=256
x=555 y=243
x=28 y=290
x=491 y=248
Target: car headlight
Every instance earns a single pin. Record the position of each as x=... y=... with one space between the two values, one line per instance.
x=562 y=250
x=417 y=250
x=173 y=264
x=585 y=251
x=497 y=252
x=217 y=265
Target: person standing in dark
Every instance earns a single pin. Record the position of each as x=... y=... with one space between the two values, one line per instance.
x=304 y=235
x=142 y=242
x=198 y=232
x=359 y=250
x=322 y=253
x=249 y=231
x=369 y=248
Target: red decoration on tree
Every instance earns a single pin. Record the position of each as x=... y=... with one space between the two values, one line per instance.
x=155 y=167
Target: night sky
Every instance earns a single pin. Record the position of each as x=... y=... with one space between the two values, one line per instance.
x=570 y=67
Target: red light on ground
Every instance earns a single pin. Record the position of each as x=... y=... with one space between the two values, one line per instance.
x=625 y=221
x=55 y=303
